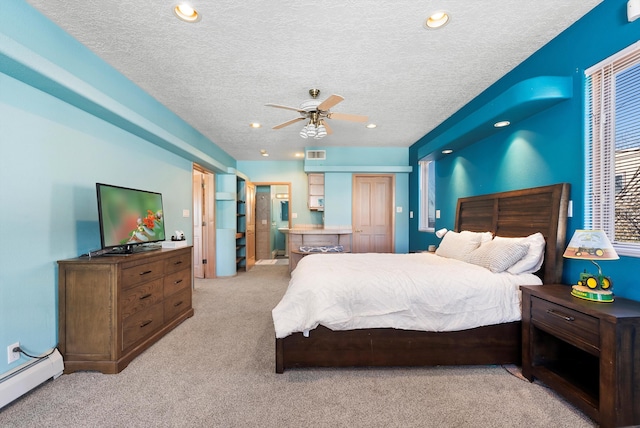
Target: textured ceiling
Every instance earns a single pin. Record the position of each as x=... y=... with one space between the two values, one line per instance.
x=217 y=74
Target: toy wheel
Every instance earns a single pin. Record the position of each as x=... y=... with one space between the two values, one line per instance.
x=606 y=283
x=599 y=252
x=592 y=283
x=578 y=253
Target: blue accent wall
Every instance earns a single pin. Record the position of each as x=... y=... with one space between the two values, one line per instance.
x=543 y=147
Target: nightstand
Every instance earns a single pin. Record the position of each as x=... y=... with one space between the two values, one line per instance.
x=588 y=352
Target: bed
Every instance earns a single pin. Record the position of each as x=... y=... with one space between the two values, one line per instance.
x=518 y=213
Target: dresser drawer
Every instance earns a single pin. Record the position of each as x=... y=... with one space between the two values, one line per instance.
x=143 y=296
x=177 y=304
x=574 y=327
x=141 y=324
x=177 y=281
x=141 y=273
x=179 y=262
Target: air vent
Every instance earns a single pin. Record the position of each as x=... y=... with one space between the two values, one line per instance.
x=316 y=154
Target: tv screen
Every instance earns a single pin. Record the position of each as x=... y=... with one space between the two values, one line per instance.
x=129 y=217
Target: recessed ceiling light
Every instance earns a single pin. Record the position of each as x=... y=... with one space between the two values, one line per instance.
x=447 y=151
x=502 y=124
x=437 y=20
x=255 y=125
x=186 y=13
x=371 y=125
x=299 y=155
x=264 y=153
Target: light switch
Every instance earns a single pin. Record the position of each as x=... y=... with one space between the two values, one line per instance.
x=410 y=214
x=570 y=209
x=294 y=215
x=398 y=209
x=185 y=213
x=437 y=213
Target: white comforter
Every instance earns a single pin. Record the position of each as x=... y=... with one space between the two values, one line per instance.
x=406 y=291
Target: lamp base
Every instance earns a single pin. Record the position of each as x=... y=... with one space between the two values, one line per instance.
x=586 y=293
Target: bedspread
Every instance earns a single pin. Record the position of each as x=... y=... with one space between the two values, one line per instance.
x=419 y=291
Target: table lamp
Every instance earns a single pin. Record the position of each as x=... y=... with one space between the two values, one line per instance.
x=592 y=245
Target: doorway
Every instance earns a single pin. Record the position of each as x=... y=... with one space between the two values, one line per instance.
x=273 y=213
x=204 y=228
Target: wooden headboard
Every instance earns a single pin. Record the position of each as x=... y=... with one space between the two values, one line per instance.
x=521 y=213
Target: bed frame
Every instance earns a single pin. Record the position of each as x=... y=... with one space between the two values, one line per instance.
x=511 y=214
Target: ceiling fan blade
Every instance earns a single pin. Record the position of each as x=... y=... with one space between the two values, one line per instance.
x=289 y=122
x=327 y=127
x=330 y=102
x=349 y=117
x=285 y=107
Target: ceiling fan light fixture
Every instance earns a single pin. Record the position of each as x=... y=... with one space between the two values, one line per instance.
x=437 y=20
x=311 y=131
x=321 y=132
x=186 y=13
x=303 y=132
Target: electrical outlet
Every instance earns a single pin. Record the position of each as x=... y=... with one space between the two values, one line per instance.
x=13 y=356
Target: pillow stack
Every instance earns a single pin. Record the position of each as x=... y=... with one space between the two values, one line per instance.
x=499 y=254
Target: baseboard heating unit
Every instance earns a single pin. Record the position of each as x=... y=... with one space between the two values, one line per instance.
x=29 y=375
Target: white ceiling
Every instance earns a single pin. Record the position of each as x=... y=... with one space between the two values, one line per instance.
x=217 y=74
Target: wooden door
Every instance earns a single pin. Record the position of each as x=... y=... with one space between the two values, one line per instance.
x=251 y=226
x=198 y=201
x=373 y=213
x=263 y=224
x=203 y=224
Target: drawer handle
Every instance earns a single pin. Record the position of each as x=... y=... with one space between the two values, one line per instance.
x=178 y=263
x=146 y=296
x=145 y=323
x=145 y=272
x=564 y=317
x=175 y=305
x=178 y=281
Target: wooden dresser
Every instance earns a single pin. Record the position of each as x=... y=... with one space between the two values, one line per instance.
x=112 y=308
x=586 y=351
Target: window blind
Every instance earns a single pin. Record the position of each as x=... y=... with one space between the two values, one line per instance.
x=613 y=151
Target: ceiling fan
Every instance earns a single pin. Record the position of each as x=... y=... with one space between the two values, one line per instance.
x=316 y=112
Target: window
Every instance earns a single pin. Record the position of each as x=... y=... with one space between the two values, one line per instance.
x=427 y=191
x=613 y=131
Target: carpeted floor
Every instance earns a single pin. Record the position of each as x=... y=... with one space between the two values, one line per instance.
x=217 y=370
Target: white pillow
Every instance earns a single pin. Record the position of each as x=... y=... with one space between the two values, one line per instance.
x=484 y=236
x=498 y=256
x=532 y=261
x=456 y=245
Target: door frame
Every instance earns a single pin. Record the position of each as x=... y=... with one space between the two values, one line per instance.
x=278 y=183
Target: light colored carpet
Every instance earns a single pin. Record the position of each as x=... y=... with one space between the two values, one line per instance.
x=217 y=370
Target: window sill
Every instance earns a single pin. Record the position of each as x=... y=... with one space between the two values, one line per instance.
x=629 y=250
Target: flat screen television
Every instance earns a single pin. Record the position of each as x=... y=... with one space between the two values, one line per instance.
x=129 y=218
